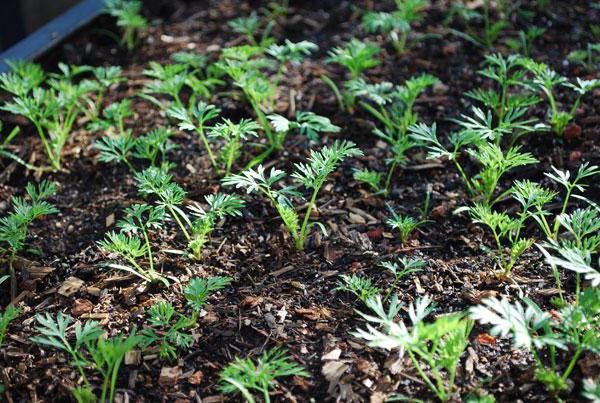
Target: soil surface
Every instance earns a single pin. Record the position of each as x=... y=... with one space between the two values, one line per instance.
x=280 y=297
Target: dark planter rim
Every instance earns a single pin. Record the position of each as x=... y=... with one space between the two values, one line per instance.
x=53 y=33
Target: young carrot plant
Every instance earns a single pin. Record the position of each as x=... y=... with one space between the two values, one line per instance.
x=106 y=78
x=311 y=175
x=393 y=107
x=234 y=136
x=396 y=24
x=89 y=349
x=508 y=94
x=14 y=227
x=170 y=196
x=570 y=185
x=525 y=40
x=154 y=146
x=546 y=80
x=133 y=242
x=168 y=80
x=494 y=164
x=582 y=228
x=195 y=119
x=409 y=266
x=199 y=290
x=249 y=27
x=513 y=124
x=406 y=225
x=23 y=78
x=203 y=77
x=220 y=206
x=362 y=287
x=245 y=376
x=573 y=329
x=356 y=56
x=574 y=249
x=533 y=198
x=6 y=317
x=493 y=160
x=129 y=18
x=434 y=348
x=277 y=9
x=492 y=29
x=309 y=124
x=168 y=329
x=588 y=58
x=249 y=69
x=503 y=227
x=287 y=54
x=53 y=111
x=369 y=177
x=122 y=147
x=113 y=118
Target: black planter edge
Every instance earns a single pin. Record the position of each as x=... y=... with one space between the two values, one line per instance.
x=51 y=34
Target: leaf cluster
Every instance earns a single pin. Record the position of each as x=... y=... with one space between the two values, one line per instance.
x=89 y=350
x=438 y=345
x=574 y=328
x=311 y=175
x=168 y=329
x=245 y=375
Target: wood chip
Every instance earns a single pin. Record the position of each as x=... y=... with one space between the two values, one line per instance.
x=70 y=286
x=196 y=378
x=38 y=272
x=110 y=220
x=81 y=306
x=133 y=357
x=169 y=376
x=332 y=355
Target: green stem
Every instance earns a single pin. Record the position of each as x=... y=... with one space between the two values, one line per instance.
x=423 y=375
x=562 y=210
x=77 y=359
x=303 y=228
x=104 y=389
x=113 y=381
x=178 y=221
x=388 y=178
x=265 y=391
x=200 y=131
x=45 y=143
x=139 y=268
x=131 y=168
x=263 y=121
x=571 y=364
x=391 y=289
x=147 y=241
x=464 y=176
x=545 y=226
x=501 y=258
x=400 y=44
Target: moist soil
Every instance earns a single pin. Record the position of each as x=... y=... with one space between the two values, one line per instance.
x=278 y=296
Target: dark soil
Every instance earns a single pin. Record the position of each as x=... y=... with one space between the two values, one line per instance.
x=279 y=296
